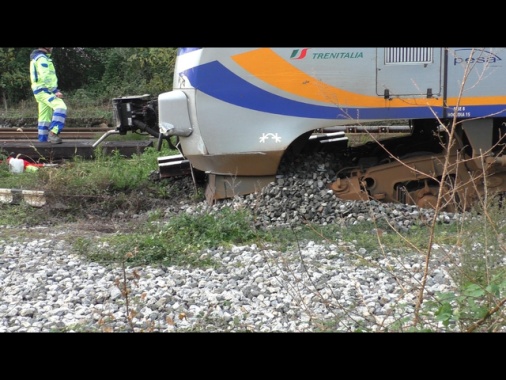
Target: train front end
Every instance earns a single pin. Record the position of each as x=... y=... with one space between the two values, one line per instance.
x=237 y=111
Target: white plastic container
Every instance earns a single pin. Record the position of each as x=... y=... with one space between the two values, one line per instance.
x=16 y=165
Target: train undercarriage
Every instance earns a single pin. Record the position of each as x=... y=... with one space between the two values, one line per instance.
x=449 y=164
x=457 y=163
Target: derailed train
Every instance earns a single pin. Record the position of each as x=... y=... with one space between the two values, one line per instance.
x=237 y=111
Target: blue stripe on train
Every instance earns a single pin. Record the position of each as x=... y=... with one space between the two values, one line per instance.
x=219 y=82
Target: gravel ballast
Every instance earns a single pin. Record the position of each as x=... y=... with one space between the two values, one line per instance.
x=336 y=287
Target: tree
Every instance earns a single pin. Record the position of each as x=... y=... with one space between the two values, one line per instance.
x=77 y=67
x=158 y=65
x=14 y=75
x=132 y=71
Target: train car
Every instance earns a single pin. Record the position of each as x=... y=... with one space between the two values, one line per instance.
x=237 y=111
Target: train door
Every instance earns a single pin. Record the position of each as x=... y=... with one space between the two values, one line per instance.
x=409 y=72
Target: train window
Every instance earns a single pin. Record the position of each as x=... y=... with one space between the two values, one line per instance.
x=398 y=55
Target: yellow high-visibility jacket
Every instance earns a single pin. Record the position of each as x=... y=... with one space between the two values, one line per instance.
x=42 y=73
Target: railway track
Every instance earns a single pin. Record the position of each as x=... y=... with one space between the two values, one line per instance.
x=80 y=142
x=69 y=133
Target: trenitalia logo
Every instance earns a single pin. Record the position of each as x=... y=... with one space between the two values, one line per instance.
x=299 y=54
x=302 y=53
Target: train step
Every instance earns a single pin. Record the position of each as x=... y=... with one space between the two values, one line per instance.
x=173 y=166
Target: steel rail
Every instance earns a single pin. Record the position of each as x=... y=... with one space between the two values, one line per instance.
x=69 y=133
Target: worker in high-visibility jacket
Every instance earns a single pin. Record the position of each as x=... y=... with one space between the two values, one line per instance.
x=52 y=110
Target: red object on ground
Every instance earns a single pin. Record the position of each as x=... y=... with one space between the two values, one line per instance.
x=26 y=163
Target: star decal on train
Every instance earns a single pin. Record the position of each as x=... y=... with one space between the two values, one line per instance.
x=266 y=136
